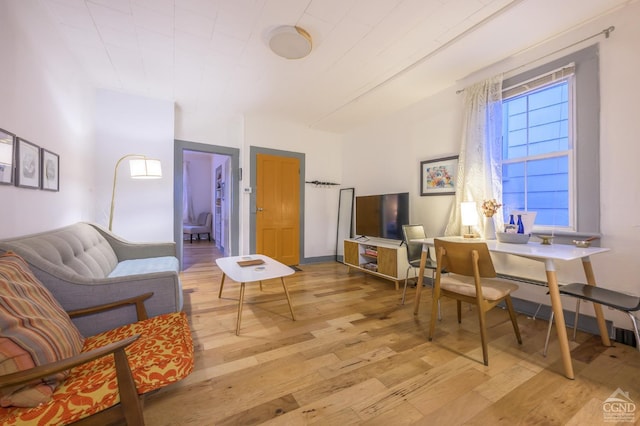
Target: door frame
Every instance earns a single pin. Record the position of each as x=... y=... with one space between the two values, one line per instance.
x=253 y=153
x=234 y=220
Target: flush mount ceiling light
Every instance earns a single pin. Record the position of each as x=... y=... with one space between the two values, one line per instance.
x=290 y=42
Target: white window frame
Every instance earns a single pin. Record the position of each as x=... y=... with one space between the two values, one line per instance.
x=524 y=88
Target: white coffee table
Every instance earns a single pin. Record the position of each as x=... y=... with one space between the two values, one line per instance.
x=244 y=274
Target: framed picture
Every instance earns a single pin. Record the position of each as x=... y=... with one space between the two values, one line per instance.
x=438 y=177
x=27 y=164
x=7 y=156
x=50 y=170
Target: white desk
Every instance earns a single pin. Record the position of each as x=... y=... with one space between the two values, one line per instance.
x=243 y=274
x=546 y=254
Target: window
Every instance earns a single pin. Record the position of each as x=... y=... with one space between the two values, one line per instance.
x=550 y=144
x=537 y=153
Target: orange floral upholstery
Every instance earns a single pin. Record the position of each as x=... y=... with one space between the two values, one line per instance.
x=162 y=355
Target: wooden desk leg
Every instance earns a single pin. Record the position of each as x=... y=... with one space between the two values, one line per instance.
x=286 y=292
x=556 y=305
x=221 y=285
x=591 y=280
x=239 y=320
x=416 y=302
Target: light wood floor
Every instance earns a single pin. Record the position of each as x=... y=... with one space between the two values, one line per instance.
x=356 y=356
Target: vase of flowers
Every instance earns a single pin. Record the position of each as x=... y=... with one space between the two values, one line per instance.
x=489 y=209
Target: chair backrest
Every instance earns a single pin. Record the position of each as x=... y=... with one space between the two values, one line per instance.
x=203 y=218
x=208 y=220
x=458 y=257
x=412 y=232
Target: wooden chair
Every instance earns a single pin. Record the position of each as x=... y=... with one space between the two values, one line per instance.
x=106 y=376
x=472 y=279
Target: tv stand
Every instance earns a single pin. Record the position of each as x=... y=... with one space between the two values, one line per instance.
x=383 y=259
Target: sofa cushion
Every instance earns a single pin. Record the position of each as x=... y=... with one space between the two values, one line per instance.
x=77 y=249
x=145 y=266
x=162 y=355
x=34 y=330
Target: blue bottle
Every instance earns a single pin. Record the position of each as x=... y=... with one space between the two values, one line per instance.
x=511 y=221
x=520 y=225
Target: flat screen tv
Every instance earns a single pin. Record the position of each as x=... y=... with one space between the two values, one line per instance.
x=382 y=216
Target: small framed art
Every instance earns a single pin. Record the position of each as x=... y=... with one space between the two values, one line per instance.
x=50 y=170
x=7 y=157
x=438 y=177
x=27 y=164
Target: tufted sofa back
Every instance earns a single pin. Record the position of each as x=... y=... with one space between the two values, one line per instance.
x=78 y=249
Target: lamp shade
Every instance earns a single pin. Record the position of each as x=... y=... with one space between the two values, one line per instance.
x=469 y=213
x=145 y=168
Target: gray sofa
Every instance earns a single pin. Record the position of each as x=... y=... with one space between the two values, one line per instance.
x=85 y=265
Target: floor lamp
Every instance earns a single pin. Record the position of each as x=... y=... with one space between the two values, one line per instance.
x=140 y=167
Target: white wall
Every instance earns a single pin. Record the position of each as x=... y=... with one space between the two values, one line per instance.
x=385 y=156
x=128 y=124
x=323 y=158
x=45 y=100
x=431 y=129
x=202 y=177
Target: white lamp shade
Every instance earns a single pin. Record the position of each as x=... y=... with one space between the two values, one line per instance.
x=145 y=168
x=469 y=213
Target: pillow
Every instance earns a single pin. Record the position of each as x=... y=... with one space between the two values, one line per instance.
x=34 y=330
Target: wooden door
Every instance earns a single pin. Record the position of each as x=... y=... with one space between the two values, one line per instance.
x=278 y=208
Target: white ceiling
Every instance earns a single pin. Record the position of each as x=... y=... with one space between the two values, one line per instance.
x=369 y=57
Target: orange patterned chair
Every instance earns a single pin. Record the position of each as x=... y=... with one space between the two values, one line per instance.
x=105 y=377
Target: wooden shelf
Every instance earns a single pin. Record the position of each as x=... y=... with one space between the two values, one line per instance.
x=387 y=260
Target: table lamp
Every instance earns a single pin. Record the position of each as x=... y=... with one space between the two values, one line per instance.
x=469 y=216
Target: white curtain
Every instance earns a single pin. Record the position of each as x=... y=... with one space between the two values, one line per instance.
x=188 y=215
x=479 y=173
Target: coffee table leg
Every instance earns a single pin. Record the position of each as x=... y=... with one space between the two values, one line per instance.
x=286 y=292
x=240 y=309
x=221 y=285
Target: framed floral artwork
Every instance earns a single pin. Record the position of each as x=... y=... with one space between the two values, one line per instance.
x=7 y=157
x=50 y=171
x=438 y=177
x=27 y=164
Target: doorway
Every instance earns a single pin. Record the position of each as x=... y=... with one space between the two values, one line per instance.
x=232 y=190
x=205 y=192
x=285 y=216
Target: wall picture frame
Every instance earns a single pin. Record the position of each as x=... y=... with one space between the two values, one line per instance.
x=439 y=176
x=27 y=164
x=50 y=171
x=7 y=157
